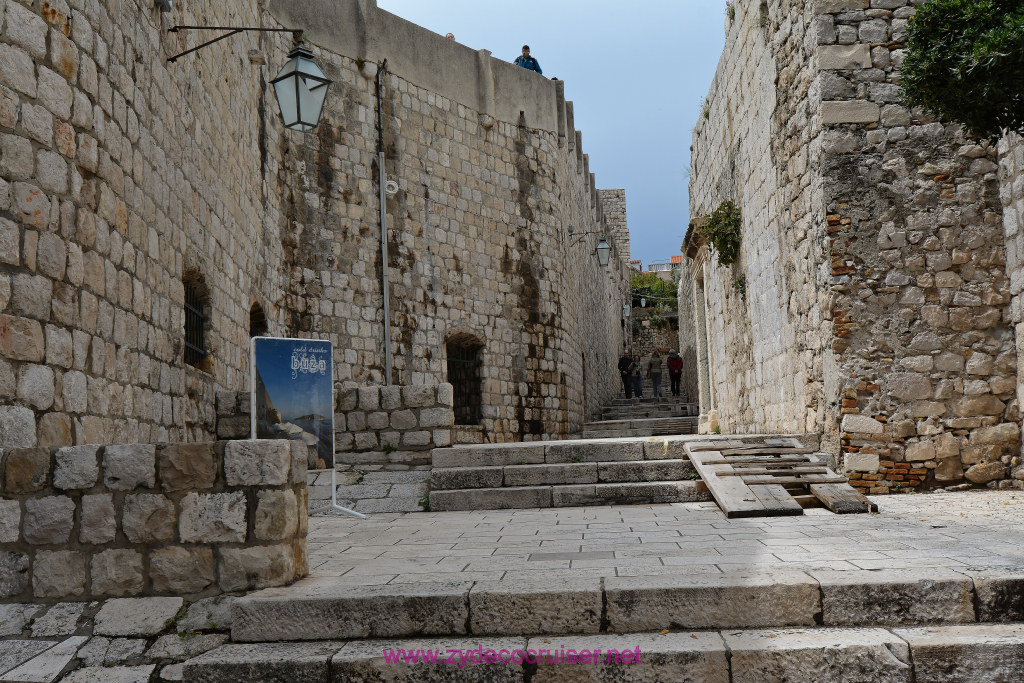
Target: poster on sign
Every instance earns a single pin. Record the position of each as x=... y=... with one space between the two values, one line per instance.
x=292 y=395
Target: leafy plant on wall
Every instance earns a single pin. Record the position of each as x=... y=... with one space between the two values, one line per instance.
x=965 y=63
x=723 y=232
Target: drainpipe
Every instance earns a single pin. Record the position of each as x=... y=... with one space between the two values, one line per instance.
x=381 y=182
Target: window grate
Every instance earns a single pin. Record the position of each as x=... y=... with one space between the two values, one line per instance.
x=464 y=376
x=195 y=327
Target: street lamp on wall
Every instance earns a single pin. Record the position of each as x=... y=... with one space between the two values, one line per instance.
x=301 y=86
x=301 y=89
x=604 y=251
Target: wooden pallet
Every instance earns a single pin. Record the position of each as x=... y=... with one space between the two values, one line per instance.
x=776 y=477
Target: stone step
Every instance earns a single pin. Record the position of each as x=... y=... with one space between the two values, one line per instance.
x=445 y=479
x=329 y=609
x=557 y=452
x=569 y=495
x=973 y=653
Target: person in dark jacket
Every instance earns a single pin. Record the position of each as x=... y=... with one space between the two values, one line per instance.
x=528 y=62
x=625 y=365
x=675 y=371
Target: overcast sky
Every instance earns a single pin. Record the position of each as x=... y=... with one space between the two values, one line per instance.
x=637 y=74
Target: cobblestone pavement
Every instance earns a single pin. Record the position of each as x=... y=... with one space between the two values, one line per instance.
x=979 y=529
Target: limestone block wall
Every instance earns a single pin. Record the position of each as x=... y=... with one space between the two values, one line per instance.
x=886 y=287
x=121 y=175
x=762 y=356
x=687 y=345
x=613 y=203
x=383 y=439
x=921 y=324
x=91 y=522
x=1011 y=192
x=491 y=232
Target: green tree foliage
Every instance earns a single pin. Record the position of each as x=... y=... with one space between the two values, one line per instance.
x=965 y=63
x=659 y=293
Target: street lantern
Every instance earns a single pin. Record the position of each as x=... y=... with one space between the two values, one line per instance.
x=643 y=302
x=625 y=310
x=604 y=251
x=301 y=89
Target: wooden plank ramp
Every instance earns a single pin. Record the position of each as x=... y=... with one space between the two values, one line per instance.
x=774 y=478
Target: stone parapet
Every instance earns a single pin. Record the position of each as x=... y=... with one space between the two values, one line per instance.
x=91 y=522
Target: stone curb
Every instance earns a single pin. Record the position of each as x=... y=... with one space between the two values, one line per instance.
x=454 y=478
x=969 y=653
x=319 y=610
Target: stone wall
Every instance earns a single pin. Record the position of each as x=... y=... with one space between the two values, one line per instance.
x=383 y=439
x=762 y=355
x=1011 y=192
x=872 y=251
x=613 y=203
x=121 y=174
x=687 y=343
x=89 y=522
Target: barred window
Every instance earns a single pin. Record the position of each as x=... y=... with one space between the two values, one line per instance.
x=196 y=299
x=464 y=364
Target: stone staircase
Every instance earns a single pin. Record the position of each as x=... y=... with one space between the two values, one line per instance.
x=563 y=474
x=647 y=416
x=911 y=625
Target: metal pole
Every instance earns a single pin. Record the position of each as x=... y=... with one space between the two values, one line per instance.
x=382 y=179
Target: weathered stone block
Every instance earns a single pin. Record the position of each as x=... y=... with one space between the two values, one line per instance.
x=445 y=395
x=920 y=451
x=414 y=439
x=851 y=111
x=780 y=598
x=369 y=398
x=10 y=521
x=436 y=417
x=59 y=574
x=234 y=427
x=136 y=617
x=970 y=406
x=1004 y=434
x=257 y=463
x=99 y=520
x=419 y=396
x=391 y=398
x=187 y=467
x=973 y=455
x=377 y=421
x=271 y=661
x=861 y=424
x=895 y=596
x=148 y=518
x=861 y=462
x=300 y=462
x=276 y=515
x=468 y=477
x=48 y=520
x=25 y=469
x=256 y=567
x=181 y=570
x=569 y=605
x=213 y=518
x=840 y=655
x=116 y=573
x=403 y=419
x=967 y=653
x=347 y=400
x=844 y=57
x=428 y=608
x=21 y=339
x=126 y=467
x=77 y=467
x=985 y=472
x=14 y=576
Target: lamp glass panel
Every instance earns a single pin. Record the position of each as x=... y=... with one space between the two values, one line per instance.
x=286 y=99
x=312 y=94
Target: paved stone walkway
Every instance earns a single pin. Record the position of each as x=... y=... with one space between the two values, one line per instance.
x=979 y=529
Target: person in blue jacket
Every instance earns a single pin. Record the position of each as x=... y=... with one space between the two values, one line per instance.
x=528 y=62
